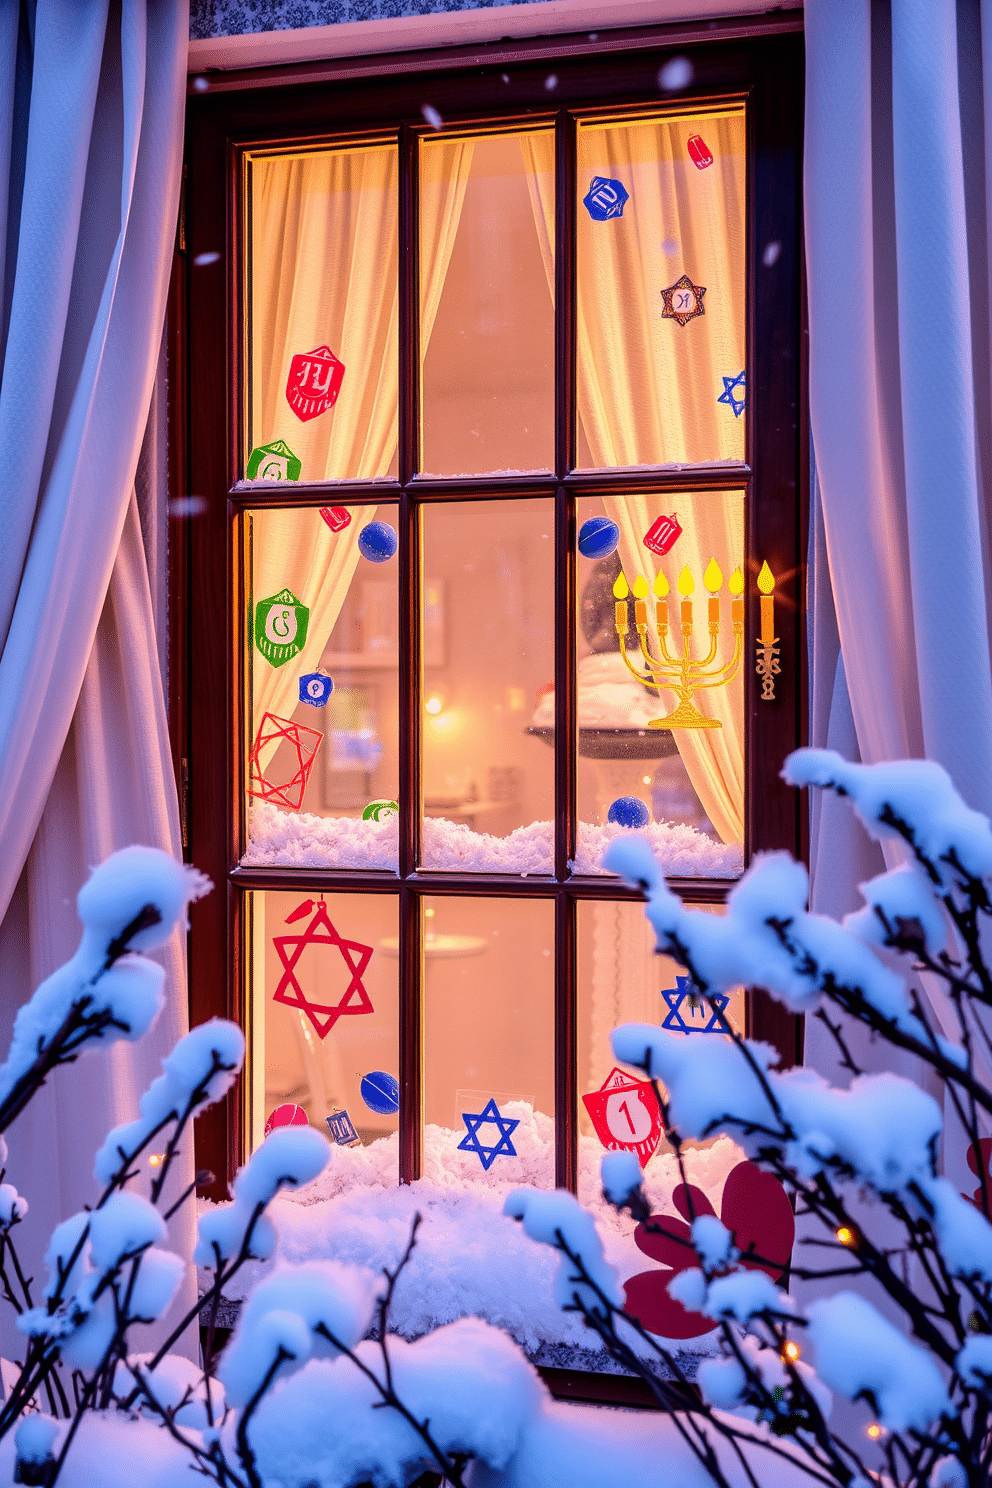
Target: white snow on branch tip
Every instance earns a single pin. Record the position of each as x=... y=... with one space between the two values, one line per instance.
x=858 y=1351
x=558 y=1218
x=289 y=1157
x=919 y=793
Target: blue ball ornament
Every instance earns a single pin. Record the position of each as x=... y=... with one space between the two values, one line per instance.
x=381 y=1092
x=629 y=811
x=377 y=542
x=598 y=537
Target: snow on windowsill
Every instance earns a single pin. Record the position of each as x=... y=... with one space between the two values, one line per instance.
x=470 y=1260
x=299 y=840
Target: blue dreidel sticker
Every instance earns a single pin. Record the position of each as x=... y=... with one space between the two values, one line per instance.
x=315 y=689
x=342 y=1129
x=605 y=198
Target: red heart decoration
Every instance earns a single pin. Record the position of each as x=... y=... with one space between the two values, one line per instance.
x=755 y=1209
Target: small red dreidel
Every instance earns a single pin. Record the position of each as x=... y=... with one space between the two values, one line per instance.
x=663 y=534
x=699 y=151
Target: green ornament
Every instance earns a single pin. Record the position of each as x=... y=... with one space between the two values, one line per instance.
x=281 y=627
x=380 y=811
x=274 y=461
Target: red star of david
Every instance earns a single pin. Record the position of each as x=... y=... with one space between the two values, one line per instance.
x=356 y=957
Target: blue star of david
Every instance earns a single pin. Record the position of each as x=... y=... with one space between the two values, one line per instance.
x=505 y=1125
x=702 y=1017
x=727 y=396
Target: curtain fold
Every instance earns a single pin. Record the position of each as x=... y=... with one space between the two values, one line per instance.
x=898 y=261
x=620 y=423
x=91 y=110
x=312 y=215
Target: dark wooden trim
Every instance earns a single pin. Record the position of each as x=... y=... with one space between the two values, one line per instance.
x=470 y=885
x=411 y=1036
x=499 y=53
x=598 y=1389
x=566 y=1045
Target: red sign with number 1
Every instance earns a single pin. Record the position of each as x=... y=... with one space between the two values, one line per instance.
x=626 y=1115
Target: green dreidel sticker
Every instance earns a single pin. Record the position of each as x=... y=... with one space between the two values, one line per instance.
x=281 y=627
x=274 y=461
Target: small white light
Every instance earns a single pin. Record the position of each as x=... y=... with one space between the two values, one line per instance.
x=551 y=82
x=675 y=75
x=202 y=259
x=432 y=116
x=433 y=705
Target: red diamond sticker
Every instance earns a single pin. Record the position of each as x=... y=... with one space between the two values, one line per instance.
x=321 y=932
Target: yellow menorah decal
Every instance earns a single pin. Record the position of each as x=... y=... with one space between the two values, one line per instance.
x=684 y=675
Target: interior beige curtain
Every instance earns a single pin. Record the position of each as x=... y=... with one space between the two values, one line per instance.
x=650 y=398
x=324 y=272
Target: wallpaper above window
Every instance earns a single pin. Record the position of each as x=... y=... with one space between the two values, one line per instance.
x=239 y=17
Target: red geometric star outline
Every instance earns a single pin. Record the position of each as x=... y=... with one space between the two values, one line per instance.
x=356 y=957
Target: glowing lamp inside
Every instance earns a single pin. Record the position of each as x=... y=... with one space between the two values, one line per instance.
x=433 y=705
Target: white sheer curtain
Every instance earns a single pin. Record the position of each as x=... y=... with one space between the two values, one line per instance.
x=896 y=184
x=91 y=109
x=626 y=423
x=324 y=265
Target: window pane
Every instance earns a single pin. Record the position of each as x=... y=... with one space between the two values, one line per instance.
x=322 y=315
x=661 y=290
x=623 y=980
x=487 y=302
x=323 y=1014
x=489 y=1041
x=489 y=649
x=321 y=706
x=682 y=783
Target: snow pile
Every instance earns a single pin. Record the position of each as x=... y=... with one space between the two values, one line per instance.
x=858 y=1351
x=289 y=1156
x=301 y=840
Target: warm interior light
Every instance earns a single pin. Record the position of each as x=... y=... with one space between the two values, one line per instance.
x=661 y=585
x=713 y=577
x=620 y=588
x=736 y=584
x=647 y=779
x=433 y=705
x=845 y=1236
x=156 y=1159
x=791 y=1351
x=640 y=587
x=766 y=580
x=874 y=1431
x=686 y=583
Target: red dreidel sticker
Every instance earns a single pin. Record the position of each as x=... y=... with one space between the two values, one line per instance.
x=280 y=788
x=755 y=1209
x=314 y=382
x=626 y=1115
x=320 y=932
x=336 y=517
x=699 y=151
x=287 y=1115
x=663 y=534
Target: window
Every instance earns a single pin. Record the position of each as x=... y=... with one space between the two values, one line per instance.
x=494 y=403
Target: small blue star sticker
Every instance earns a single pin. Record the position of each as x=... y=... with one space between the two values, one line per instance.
x=504 y=1124
x=702 y=1017
x=728 y=394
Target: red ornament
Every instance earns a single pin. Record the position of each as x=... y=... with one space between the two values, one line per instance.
x=755 y=1209
x=336 y=517
x=985 y=1147
x=625 y=1113
x=699 y=151
x=663 y=534
x=356 y=957
x=314 y=382
x=287 y=1115
x=305 y=742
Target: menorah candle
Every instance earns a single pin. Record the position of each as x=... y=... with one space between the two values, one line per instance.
x=736 y=587
x=620 y=593
x=713 y=579
x=686 y=585
x=766 y=584
x=661 y=608
x=640 y=606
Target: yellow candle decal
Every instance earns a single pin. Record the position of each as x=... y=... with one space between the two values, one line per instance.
x=736 y=587
x=620 y=592
x=713 y=579
x=661 y=608
x=686 y=586
x=766 y=584
x=640 y=608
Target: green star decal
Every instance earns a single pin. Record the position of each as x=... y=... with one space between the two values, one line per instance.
x=281 y=627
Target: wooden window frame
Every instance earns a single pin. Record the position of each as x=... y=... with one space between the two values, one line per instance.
x=760 y=61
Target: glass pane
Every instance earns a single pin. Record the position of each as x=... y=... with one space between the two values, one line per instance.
x=661 y=290
x=489 y=650
x=623 y=980
x=487 y=302
x=322 y=303
x=661 y=729
x=323 y=1017
x=489 y=1041
x=321 y=706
